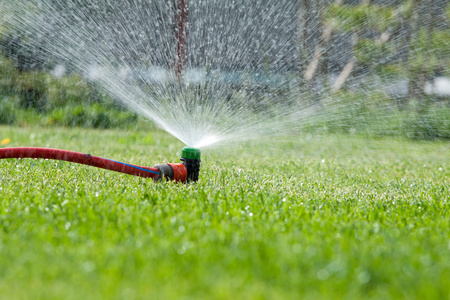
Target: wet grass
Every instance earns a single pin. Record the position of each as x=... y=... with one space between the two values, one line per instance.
x=327 y=217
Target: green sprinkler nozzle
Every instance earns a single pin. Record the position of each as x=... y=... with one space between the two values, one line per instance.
x=190 y=158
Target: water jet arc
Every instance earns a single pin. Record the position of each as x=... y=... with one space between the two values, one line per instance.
x=186 y=171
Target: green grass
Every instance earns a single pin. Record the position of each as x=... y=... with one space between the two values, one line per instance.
x=332 y=217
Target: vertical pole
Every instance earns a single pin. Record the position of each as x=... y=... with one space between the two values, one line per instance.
x=181 y=33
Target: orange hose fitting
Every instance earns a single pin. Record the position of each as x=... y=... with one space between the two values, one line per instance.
x=179 y=172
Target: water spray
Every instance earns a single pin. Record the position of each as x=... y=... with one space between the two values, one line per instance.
x=186 y=171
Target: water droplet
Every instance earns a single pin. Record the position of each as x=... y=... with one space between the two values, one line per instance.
x=89 y=266
x=364 y=277
x=182 y=250
x=323 y=274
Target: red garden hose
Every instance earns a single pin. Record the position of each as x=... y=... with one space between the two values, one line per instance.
x=175 y=172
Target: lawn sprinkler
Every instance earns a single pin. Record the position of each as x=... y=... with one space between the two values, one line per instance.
x=186 y=171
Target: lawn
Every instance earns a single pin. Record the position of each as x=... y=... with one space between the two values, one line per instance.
x=312 y=217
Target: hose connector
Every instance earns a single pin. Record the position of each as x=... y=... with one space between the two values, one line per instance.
x=190 y=158
x=176 y=172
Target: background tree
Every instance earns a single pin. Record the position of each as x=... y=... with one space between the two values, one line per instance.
x=369 y=26
x=427 y=47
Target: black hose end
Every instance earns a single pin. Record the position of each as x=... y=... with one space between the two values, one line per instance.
x=190 y=158
x=192 y=167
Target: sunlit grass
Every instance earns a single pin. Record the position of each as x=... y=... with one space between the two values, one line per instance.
x=311 y=217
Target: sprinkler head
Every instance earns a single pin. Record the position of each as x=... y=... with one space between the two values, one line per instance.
x=186 y=171
x=190 y=158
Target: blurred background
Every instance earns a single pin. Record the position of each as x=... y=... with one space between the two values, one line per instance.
x=368 y=67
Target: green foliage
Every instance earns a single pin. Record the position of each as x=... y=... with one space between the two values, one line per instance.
x=391 y=70
x=355 y=112
x=8 y=75
x=428 y=52
x=422 y=62
x=439 y=43
x=31 y=87
x=430 y=125
x=68 y=91
x=373 y=114
x=7 y=111
x=91 y=116
x=448 y=11
x=67 y=101
x=3 y=30
x=351 y=18
x=370 y=51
